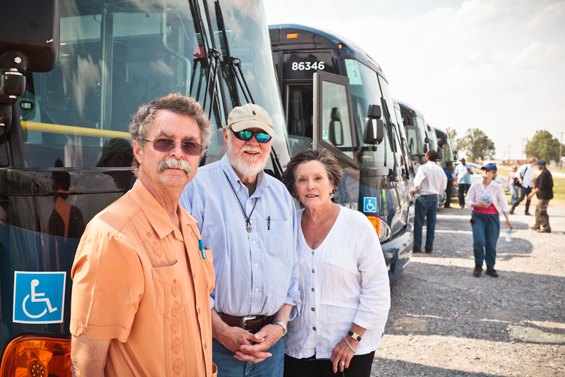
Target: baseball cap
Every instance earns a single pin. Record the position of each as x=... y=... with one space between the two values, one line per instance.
x=541 y=162
x=490 y=166
x=250 y=116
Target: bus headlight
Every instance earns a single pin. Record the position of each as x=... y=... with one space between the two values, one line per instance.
x=31 y=355
x=381 y=227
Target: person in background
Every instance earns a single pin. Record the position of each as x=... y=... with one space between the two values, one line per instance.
x=514 y=190
x=449 y=187
x=525 y=176
x=429 y=182
x=487 y=200
x=463 y=174
x=141 y=279
x=544 y=193
x=343 y=278
x=247 y=218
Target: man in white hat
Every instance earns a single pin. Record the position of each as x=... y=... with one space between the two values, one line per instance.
x=247 y=218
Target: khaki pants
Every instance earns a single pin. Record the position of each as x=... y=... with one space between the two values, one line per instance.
x=542 y=218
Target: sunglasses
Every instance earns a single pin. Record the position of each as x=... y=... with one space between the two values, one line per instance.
x=245 y=135
x=166 y=145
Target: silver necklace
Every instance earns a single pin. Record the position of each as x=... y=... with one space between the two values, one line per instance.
x=248 y=226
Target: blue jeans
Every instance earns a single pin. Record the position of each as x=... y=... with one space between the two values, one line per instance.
x=486 y=230
x=426 y=206
x=515 y=191
x=229 y=366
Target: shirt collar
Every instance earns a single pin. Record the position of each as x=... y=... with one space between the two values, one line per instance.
x=156 y=214
x=262 y=182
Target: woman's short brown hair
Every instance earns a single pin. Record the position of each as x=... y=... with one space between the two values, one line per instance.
x=322 y=155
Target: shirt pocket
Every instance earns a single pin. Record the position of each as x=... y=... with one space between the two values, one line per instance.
x=280 y=237
x=169 y=292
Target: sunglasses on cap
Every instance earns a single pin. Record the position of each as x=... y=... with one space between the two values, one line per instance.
x=246 y=135
x=166 y=145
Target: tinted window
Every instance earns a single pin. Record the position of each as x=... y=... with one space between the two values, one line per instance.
x=365 y=91
x=336 y=128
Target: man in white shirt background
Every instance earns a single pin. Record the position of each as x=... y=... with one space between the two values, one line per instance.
x=526 y=176
x=463 y=174
x=430 y=181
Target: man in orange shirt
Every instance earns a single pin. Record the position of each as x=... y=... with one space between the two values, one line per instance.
x=142 y=277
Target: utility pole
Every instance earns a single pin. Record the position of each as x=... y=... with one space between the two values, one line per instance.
x=560 y=149
x=509 y=153
x=526 y=140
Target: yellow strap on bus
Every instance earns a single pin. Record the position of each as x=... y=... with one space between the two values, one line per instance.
x=71 y=130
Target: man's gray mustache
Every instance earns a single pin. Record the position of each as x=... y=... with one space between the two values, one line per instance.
x=173 y=163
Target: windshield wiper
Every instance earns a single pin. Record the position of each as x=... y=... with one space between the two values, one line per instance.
x=234 y=63
x=214 y=57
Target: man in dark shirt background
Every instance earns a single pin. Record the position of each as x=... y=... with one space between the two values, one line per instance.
x=449 y=187
x=544 y=192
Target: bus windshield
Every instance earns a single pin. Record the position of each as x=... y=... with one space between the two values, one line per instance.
x=365 y=91
x=116 y=56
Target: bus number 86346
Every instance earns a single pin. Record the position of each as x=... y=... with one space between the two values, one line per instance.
x=306 y=66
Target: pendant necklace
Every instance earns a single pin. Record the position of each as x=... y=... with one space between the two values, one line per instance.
x=248 y=227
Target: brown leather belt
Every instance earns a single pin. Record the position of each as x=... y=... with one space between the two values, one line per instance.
x=252 y=322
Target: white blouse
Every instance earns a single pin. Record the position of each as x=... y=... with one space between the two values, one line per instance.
x=343 y=281
x=494 y=192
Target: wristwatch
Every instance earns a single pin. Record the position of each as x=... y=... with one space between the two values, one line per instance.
x=282 y=324
x=354 y=336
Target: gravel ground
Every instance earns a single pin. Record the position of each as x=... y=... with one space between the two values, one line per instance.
x=445 y=322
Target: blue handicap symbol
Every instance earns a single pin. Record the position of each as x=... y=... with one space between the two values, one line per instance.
x=370 y=205
x=39 y=297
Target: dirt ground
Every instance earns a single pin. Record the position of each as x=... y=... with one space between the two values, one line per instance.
x=445 y=322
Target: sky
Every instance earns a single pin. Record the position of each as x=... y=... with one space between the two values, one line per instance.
x=496 y=65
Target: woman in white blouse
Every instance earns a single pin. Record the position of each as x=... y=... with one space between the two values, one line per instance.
x=344 y=284
x=487 y=199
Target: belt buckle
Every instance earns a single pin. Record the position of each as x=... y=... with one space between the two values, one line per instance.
x=244 y=320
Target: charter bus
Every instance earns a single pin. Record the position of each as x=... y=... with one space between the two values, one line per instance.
x=335 y=96
x=416 y=131
x=66 y=154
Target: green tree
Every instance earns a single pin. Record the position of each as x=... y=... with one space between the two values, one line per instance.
x=477 y=145
x=452 y=134
x=543 y=146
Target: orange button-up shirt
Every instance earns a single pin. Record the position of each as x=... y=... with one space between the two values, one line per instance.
x=143 y=284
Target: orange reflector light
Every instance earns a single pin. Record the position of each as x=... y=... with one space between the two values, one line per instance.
x=292 y=36
x=376 y=223
x=339 y=45
x=37 y=356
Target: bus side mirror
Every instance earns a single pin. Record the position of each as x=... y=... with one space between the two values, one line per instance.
x=455 y=156
x=30 y=35
x=336 y=127
x=374 y=131
x=29 y=41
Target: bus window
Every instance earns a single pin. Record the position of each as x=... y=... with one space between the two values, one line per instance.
x=365 y=91
x=336 y=129
x=300 y=107
x=112 y=60
x=412 y=141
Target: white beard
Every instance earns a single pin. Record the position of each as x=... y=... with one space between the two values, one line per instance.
x=244 y=166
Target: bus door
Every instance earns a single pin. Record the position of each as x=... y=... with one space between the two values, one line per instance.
x=399 y=185
x=298 y=92
x=333 y=129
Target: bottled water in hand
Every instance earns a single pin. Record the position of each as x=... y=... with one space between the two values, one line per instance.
x=486 y=199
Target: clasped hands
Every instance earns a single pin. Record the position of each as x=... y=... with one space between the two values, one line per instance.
x=247 y=346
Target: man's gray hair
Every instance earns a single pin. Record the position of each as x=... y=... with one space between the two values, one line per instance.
x=176 y=103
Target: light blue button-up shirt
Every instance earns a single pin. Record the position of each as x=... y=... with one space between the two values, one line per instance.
x=463 y=175
x=257 y=272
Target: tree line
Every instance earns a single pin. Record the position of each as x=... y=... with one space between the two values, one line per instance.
x=477 y=146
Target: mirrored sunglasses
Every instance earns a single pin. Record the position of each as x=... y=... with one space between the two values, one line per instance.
x=166 y=145
x=246 y=135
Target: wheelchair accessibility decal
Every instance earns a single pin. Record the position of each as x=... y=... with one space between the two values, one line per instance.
x=39 y=297
x=370 y=205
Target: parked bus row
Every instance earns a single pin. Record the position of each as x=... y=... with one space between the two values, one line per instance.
x=70 y=86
